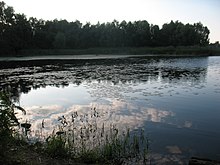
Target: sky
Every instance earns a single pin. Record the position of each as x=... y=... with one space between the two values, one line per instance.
x=154 y=11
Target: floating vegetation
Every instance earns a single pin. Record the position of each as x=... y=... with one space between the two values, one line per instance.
x=117 y=73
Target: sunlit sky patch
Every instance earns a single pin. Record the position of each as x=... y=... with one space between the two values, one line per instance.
x=154 y=11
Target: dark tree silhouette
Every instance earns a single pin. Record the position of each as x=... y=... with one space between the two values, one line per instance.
x=18 y=33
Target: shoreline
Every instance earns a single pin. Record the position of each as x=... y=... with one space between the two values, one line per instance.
x=113 y=52
x=91 y=57
x=110 y=53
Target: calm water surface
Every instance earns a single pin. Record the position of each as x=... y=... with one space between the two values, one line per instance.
x=176 y=100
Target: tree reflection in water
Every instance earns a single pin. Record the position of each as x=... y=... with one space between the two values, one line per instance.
x=134 y=92
x=18 y=77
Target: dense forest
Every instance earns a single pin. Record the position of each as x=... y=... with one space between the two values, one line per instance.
x=17 y=32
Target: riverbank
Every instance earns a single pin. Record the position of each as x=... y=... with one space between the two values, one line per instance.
x=195 y=75
x=22 y=153
x=110 y=53
x=127 y=51
x=122 y=51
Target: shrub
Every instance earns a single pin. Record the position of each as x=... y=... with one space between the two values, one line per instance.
x=8 y=120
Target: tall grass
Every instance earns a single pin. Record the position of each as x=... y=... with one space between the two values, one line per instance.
x=80 y=137
x=83 y=140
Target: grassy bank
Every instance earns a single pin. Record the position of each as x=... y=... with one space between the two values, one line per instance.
x=79 y=138
x=195 y=50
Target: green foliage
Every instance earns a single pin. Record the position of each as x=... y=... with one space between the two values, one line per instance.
x=83 y=140
x=178 y=34
x=8 y=119
x=8 y=122
x=56 y=146
x=59 y=41
x=15 y=30
x=18 y=33
x=90 y=157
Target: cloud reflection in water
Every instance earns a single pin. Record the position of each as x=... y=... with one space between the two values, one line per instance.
x=173 y=98
x=121 y=113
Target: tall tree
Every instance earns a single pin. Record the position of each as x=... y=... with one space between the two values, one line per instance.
x=202 y=34
x=6 y=21
x=17 y=33
x=155 y=35
x=59 y=41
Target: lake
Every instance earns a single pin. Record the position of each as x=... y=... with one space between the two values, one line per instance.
x=176 y=100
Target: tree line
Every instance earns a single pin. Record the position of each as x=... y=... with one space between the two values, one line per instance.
x=18 y=32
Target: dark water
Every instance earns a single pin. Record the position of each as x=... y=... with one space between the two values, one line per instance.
x=176 y=100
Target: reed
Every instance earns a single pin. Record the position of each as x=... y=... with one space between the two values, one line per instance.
x=79 y=137
x=83 y=140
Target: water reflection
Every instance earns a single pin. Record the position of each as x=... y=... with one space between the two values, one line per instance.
x=19 y=77
x=176 y=100
x=123 y=114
